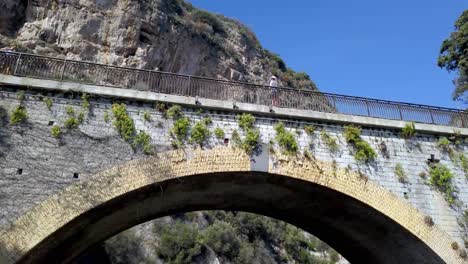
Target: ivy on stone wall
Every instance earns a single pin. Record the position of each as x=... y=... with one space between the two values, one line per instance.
x=363 y=150
x=286 y=140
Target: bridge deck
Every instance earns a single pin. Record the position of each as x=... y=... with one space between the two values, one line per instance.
x=35 y=66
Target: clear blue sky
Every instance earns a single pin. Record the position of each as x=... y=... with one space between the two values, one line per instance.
x=380 y=49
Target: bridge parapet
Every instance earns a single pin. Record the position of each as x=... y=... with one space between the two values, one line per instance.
x=35 y=66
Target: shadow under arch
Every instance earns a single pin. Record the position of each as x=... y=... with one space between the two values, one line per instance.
x=92 y=211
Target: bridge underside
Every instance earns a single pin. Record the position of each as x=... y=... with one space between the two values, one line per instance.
x=358 y=232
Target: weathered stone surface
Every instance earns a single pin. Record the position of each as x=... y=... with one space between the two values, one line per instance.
x=49 y=164
x=153 y=34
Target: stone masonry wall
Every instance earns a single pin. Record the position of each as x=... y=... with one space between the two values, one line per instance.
x=49 y=164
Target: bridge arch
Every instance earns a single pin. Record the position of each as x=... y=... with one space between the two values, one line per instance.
x=363 y=221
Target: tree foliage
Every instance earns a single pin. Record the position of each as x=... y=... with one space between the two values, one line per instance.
x=454 y=56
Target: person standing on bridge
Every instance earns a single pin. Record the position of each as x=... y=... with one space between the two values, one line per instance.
x=274 y=90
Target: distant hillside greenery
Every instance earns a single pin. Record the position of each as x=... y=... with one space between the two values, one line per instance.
x=234 y=237
x=214 y=28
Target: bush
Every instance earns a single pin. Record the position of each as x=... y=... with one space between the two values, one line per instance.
x=464 y=163
x=180 y=129
x=146 y=116
x=179 y=244
x=209 y=19
x=143 y=140
x=161 y=107
x=85 y=101
x=81 y=117
x=400 y=173
x=246 y=121
x=174 y=112
x=441 y=178
x=236 y=138
x=364 y=151
x=207 y=121
x=309 y=129
x=444 y=144
x=352 y=134
x=223 y=239
x=70 y=111
x=219 y=133
x=106 y=117
x=200 y=133
x=56 y=131
x=286 y=139
x=71 y=123
x=21 y=95
x=48 y=102
x=329 y=141
x=18 y=115
x=250 y=143
x=123 y=122
x=409 y=130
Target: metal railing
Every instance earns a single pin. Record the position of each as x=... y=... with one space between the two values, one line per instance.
x=35 y=66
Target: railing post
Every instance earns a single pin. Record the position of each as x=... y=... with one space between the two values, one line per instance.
x=189 y=87
x=432 y=117
x=399 y=110
x=63 y=70
x=17 y=64
x=368 y=110
x=461 y=119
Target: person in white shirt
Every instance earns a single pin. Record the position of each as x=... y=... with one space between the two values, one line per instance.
x=274 y=91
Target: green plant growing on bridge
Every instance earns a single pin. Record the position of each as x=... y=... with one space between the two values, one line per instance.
x=123 y=123
x=363 y=150
x=48 y=102
x=444 y=144
x=143 y=140
x=161 y=107
x=21 y=95
x=200 y=132
x=286 y=139
x=180 y=129
x=235 y=137
x=219 y=133
x=252 y=136
x=56 y=131
x=400 y=173
x=147 y=117
x=174 y=112
x=309 y=129
x=250 y=142
x=329 y=141
x=246 y=121
x=106 y=116
x=73 y=121
x=409 y=130
x=18 y=115
x=207 y=121
x=85 y=101
x=441 y=178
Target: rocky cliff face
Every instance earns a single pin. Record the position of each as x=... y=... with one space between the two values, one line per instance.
x=169 y=35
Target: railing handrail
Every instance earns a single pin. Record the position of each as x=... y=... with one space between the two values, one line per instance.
x=63 y=69
x=366 y=99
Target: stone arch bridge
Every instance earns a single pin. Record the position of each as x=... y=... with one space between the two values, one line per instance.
x=62 y=194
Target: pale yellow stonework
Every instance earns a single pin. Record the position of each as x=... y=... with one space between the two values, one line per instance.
x=55 y=212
